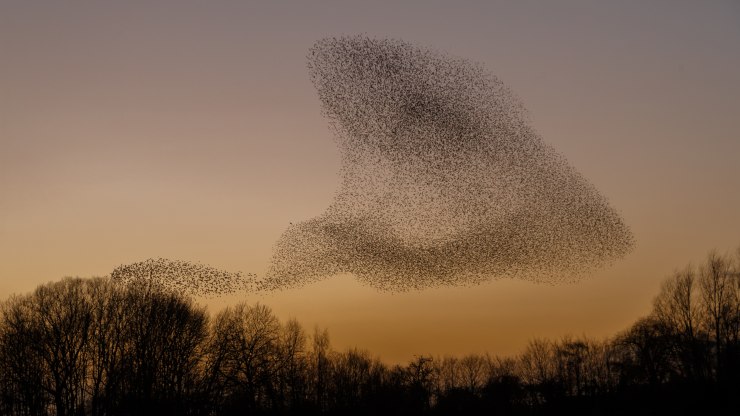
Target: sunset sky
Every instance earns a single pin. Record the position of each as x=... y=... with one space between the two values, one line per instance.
x=190 y=130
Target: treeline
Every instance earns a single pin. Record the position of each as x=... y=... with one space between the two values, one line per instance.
x=96 y=347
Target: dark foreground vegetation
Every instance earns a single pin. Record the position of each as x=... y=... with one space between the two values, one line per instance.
x=95 y=347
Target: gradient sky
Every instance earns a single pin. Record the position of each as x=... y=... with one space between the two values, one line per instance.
x=190 y=130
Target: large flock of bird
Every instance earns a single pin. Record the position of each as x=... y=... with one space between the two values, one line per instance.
x=443 y=183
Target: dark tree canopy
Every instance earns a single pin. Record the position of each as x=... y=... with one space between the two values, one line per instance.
x=107 y=347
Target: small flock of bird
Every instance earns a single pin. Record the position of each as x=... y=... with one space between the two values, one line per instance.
x=184 y=277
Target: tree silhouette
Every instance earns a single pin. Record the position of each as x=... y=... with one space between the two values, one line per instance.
x=105 y=346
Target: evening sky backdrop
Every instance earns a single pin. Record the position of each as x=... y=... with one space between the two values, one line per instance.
x=190 y=130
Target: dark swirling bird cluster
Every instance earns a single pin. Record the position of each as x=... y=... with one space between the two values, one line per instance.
x=183 y=277
x=443 y=181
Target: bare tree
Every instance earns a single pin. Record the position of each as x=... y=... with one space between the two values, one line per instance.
x=106 y=345
x=293 y=367
x=23 y=373
x=245 y=354
x=59 y=333
x=679 y=309
x=420 y=381
x=677 y=306
x=498 y=367
x=717 y=292
x=473 y=373
x=537 y=362
x=448 y=374
x=320 y=367
x=352 y=378
x=644 y=353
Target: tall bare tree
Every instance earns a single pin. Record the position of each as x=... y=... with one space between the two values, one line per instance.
x=717 y=292
x=245 y=355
